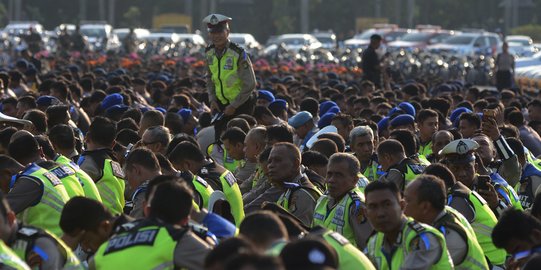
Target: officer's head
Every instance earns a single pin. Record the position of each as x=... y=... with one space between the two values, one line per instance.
x=342 y=174
x=170 y=202
x=233 y=139
x=441 y=171
x=187 y=157
x=24 y=148
x=217 y=257
x=254 y=142
x=362 y=142
x=156 y=138
x=486 y=150
x=284 y=162
x=62 y=138
x=8 y=220
x=263 y=228
x=390 y=152
x=459 y=157
x=407 y=139
x=279 y=133
x=150 y=119
x=218 y=28
x=87 y=222
x=517 y=232
x=384 y=206
x=425 y=198
x=375 y=41
x=140 y=165
x=102 y=133
x=440 y=139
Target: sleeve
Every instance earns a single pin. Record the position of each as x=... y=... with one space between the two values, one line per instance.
x=302 y=205
x=90 y=168
x=463 y=207
x=425 y=251
x=510 y=169
x=396 y=177
x=190 y=252
x=25 y=193
x=360 y=226
x=51 y=258
x=138 y=206
x=456 y=245
x=247 y=76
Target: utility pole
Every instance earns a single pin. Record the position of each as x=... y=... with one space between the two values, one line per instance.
x=111 y=17
x=377 y=11
x=305 y=20
x=82 y=10
x=515 y=4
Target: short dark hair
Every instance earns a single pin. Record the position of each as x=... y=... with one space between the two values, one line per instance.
x=46 y=146
x=186 y=151
x=535 y=103
x=23 y=148
x=9 y=100
x=38 y=118
x=407 y=139
x=424 y=114
x=155 y=118
x=517 y=146
x=181 y=137
x=128 y=123
x=390 y=147
x=127 y=136
x=336 y=138
x=262 y=227
x=5 y=136
x=472 y=118
x=264 y=155
x=514 y=224
x=134 y=114
x=431 y=189
x=249 y=119
x=325 y=146
x=234 y=135
x=516 y=118
x=171 y=202
x=382 y=185
x=102 y=131
x=260 y=111
x=280 y=133
x=174 y=122
x=227 y=249
x=57 y=114
x=28 y=101
x=256 y=261
x=61 y=88
x=239 y=123
x=82 y=213
x=313 y=158
x=345 y=119
x=143 y=157
x=375 y=37
x=441 y=171
x=310 y=105
x=62 y=136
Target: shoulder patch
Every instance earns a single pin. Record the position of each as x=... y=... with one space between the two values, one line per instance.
x=52 y=178
x=201 y=181
x=117 y=170
x=27 y=231
x=339 y=238
x=230 y=178
x=417 y=168
x=416 y=226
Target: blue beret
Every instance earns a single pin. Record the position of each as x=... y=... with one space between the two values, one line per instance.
x=403 y=119
x=278 y=104
x=111 y=100
x=160 y=109
x=47 y=101
x=22 y=63
x=163 y=78
x=119 y=108
x=185 y=114
x=325 y=106
x=300 y=119
x=325 y=120
x=266 y=95
x=396 y=110
x=383 y=124
x=407 y=108
x=288 y=79
x=455 y=114
x=333 y=109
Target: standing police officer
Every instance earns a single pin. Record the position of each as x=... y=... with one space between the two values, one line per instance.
x=231 y=79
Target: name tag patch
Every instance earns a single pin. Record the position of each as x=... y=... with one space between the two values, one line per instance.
x=117 y=170
x=52 y=178
x=140 y=238
x=63 y=171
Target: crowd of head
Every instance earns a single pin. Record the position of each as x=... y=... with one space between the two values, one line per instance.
x=103 y=161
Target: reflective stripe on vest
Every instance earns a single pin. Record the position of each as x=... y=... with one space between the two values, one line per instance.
x=349 y=257
x=111 y=187
x=70 y=181
x=337 y=218
x=89 y=187
x=45 y=214
x=10 y=259
x=203 y=189
x=224 y=75
x=375 y=244
x=233 y=196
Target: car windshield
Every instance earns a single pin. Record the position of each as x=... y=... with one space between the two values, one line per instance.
x=238 y=40
x=459 y=40
x=293 y=41
x=366 y=34
x=416 y=37
x=522 y=42
x=395 y=35
x=93 y=32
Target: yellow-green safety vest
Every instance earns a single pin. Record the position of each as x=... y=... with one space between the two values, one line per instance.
x=233 y=196
x=143 y=244
x=483 y=224
x=111 y=187
x=475 y=258
x=69 y=180
x=89 y=187
x=338 y=217
x=371 y=172
x=10 y=259
x=25 y=247
x=349 y=257
x=46 y=213
x=224 y=73
x=411 y=231
x=425 y=150
x=204 y=190
x=228 y=162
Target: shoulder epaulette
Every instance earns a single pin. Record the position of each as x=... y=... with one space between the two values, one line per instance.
x=209 y=47
x=235 y=47
x=416 y=226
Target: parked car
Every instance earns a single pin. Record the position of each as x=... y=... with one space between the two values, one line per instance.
x=246 y=41
x=295 y=42
x=18 y=28
x=534 y=60
x=327 y=39
x=521 y=46
x=469 y=44
x=100 y=36
x=418 y=40
x=140 y=33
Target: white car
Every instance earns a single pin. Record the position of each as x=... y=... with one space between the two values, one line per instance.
x=195 y=39
x=469 y=44
x=246 y=41
x=295 y=42
x=522 y=46
x=327 y=39
x=100 y=36
x=535 y=60
x=123 y=32
x=17 y=28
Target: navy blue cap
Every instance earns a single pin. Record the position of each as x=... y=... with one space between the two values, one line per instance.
x=340 y=87
x=119 y=108
x=300 y=119
x=46 y=101
x=111 y=100
x=100 y=71
x=332 y=76
x=383 y=124
x=325 y=106
x=266 y=95
x=278 y=104
x=407 y=108
x=333 y=109
x=401 y=120
x=22 y=64
x=325 y=120
x=73 y=68
x=185 y=114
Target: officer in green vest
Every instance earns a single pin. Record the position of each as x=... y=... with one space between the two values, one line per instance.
x=425 y=202
x=479 y=203
x=231 y=80
x=362 y=142
x=401 y=242
x=10 y=260
x=39 y=248
x=188 y=157
x=266 y=231
x=36 y=195
x=63 y=141
x=530 y=179
x=397 y=167
x=160 y=241
x=341 y=208
x=409 y=141
x=100 y=163
x=428 y=123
